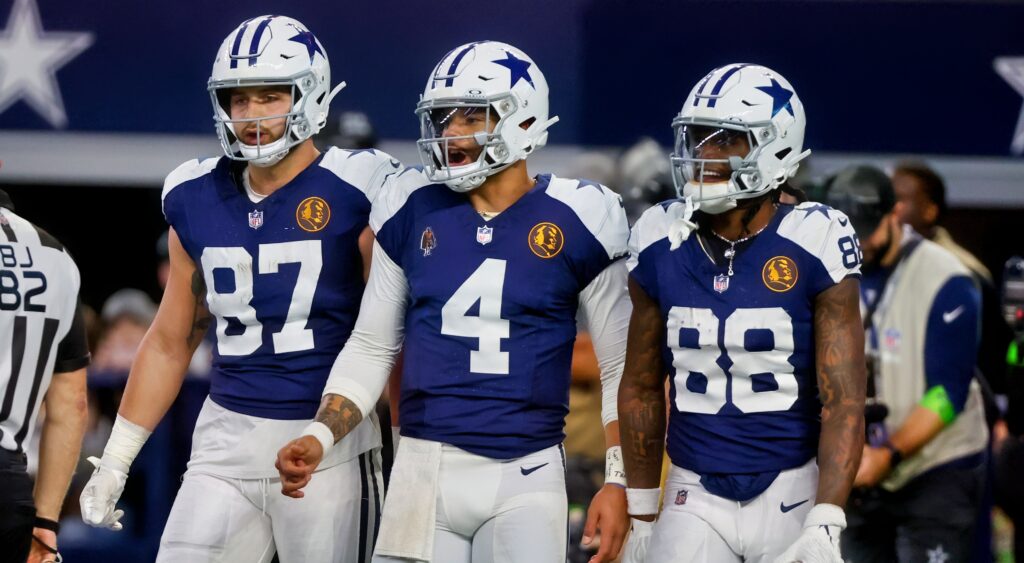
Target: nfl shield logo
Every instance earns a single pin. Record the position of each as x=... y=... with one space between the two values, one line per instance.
x=484 y=234
x=721 y=283
x=681 y=496
x=256 y=219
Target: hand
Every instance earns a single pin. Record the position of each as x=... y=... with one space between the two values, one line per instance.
x=639 y=538
x=38 y=553
x=101 y=493
x=296 y=462
x=819 y=542
x=874 y=467
x=607 y=514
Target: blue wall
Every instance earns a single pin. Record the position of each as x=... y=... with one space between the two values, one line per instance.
x=874 y=77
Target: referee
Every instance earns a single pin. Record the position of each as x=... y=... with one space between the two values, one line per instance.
x=43 y=355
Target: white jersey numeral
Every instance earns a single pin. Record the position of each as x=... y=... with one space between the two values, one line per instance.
x=704 y=360
x=293 y=336
x=484 y=285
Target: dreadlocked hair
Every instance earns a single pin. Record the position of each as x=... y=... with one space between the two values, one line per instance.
x=796 y=193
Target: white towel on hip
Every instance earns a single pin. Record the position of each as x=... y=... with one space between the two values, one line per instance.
x=410 y=508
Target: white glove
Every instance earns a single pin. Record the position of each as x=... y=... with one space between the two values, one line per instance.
x=101 y=494
x=819 y=542
x=635 y=550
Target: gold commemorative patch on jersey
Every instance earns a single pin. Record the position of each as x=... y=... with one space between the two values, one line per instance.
x=313 y=214
x=779 y=274
x=546 y=240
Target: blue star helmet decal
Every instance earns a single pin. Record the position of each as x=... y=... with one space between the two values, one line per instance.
x=307 y=38
x=517 y=69
x=818 y=208
x=780 y=97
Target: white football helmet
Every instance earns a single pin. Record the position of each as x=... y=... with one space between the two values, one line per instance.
x=272 y=50
x=732 y=102
x=494 y=80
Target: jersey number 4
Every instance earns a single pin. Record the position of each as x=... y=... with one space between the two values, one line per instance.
x=293 y=336
x=699 y=360
x=485 y=286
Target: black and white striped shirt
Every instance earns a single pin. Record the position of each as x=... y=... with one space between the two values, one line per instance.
x=41 y=328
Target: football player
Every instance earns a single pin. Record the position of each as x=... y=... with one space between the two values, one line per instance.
x=264 y=242
x=482 y=269
x=751 y=308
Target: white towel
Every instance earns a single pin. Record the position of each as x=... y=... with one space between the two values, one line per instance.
x=410 y=509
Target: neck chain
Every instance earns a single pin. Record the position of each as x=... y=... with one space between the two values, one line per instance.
x=730 y=253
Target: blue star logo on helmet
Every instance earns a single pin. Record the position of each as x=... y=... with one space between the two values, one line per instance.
x=307 y=38
x=517 y=69
x=780 y=97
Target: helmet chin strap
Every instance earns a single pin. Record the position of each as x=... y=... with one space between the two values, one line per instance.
x=266 y=155
x=682 y=224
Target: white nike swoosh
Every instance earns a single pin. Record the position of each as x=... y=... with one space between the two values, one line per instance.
x=952 y=315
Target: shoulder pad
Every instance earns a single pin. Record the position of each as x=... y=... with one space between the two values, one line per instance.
x=826 y=234
x=598 y=208
x=366 y=169
x=651 y=227
x=189 y=170
x=394 y=192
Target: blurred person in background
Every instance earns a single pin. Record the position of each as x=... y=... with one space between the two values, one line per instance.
x=922 y=472
x=43 y=355
x=268 y=242
x=1009 y=447
x=645 y=177
x=126 y=316
x=921 y=203
x=352 y=130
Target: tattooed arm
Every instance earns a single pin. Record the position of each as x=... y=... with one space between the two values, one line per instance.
x=358 y=376
x=166 y=351
x=642 y=395
x=842 y=379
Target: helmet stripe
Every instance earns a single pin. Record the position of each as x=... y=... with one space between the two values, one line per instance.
x=700 y=88
x=254 y=45
x=437 y=67
x=238 y=42
x=721 y=82
x=455 y=63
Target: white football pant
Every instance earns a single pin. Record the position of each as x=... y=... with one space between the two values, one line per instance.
x=499 y=511
x=697 y=526
x=226 y=520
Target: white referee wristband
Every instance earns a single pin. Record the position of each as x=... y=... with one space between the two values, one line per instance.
x=614 y=469
x=322 y=433
x=643 y=502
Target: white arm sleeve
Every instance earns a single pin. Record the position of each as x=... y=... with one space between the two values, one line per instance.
x=362 y=369
x=605 y=308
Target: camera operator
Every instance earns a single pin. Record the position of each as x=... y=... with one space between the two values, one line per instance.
x=1009 y=444
x=921 y=475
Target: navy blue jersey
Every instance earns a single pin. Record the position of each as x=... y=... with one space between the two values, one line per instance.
x=283 y=276
x=491 y=320
x=740 y=349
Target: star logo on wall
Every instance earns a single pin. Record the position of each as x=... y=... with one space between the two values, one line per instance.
x=30 y=58
x=1012 y=71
